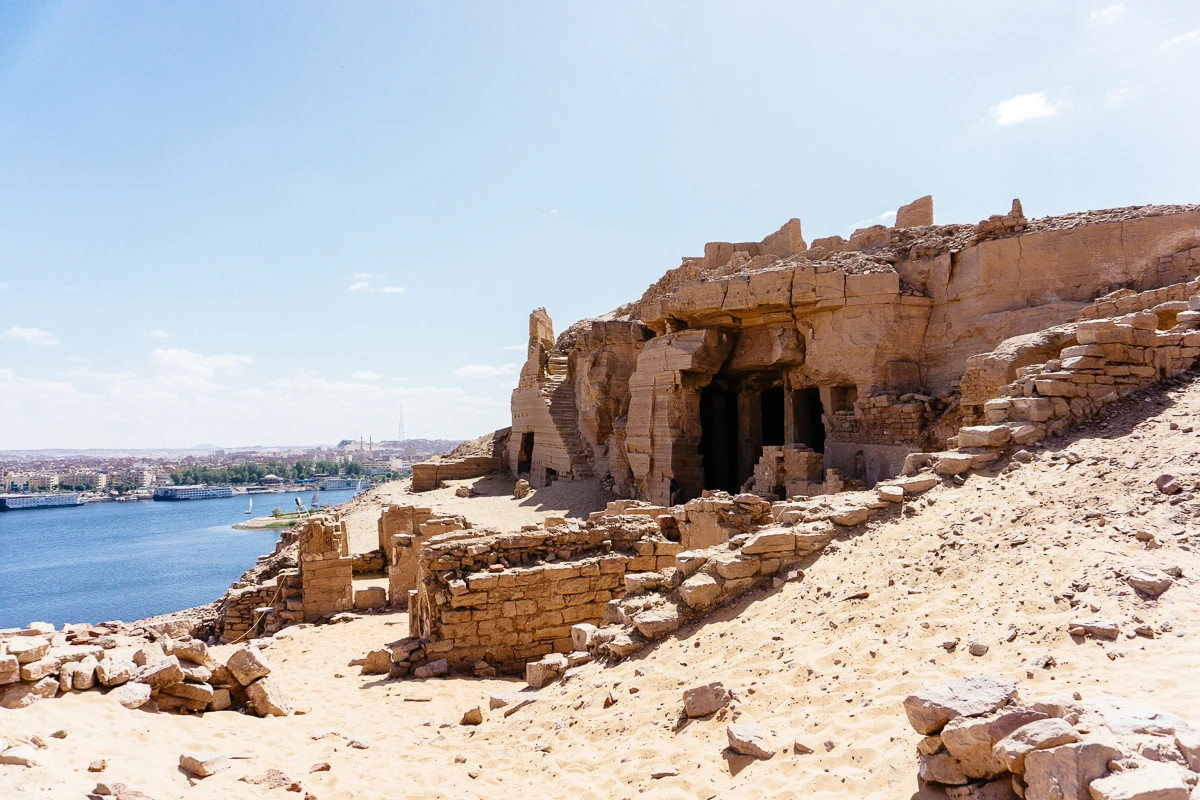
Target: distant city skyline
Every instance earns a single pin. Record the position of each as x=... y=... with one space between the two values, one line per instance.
x=282 y=222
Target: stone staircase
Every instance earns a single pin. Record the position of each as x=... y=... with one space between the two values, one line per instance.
x=559 y=392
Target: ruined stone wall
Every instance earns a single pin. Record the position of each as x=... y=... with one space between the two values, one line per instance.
x=262 y=609
x=326 y=568
x=428 y=475
x=889 y=313
x=510 y=598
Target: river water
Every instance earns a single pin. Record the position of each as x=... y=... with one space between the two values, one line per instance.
x=104 y=561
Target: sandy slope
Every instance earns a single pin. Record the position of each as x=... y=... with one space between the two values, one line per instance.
x=807 y=663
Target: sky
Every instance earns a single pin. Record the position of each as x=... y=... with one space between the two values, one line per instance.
x=283 y=222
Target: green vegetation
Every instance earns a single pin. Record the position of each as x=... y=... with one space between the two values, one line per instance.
x=251 y=472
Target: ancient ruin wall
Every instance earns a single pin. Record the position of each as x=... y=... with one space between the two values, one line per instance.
x=879 y=327
x=326 y=568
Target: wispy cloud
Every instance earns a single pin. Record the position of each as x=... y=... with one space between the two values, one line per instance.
x=365 y=375
x=885 y=218
x=186 y=362
x=1108 y=14
x=1191 y=37
x=1024 y=108
x=365 y=282
x=32 y=336
x=157 y=334
x=554 y=212
x=514 y=347
x=1117 y=94
x=487 y=370
x=3 y=286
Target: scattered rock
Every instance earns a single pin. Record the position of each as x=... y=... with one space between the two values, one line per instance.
x=747 y=739
x=320 y=766
x=271 y=779
x=267 y=699
x=473 y=716
x=99 y=765
x=971 y=740
x=433 y=669
x=115 y=673
x=1168 y=484
x=156 y=675
x=360 y=744
x=247 y=664
x=132 y=695
x=977 y=649
x=700 y=701
x=546 y=670
x=1094 y=626
x=21 y=755
x=203 y=764
x=801 y=749
x=1149 y=582
x=930 y=709
x=377 y=662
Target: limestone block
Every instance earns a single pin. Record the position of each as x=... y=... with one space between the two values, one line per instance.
x=1064 y=772
x=953 y=463
x=114 y=673
x=941 y=768
x=700 y=591
x=267 y=699
x=770 y=541
x=1038 y=735
x=984 y=436
x=657 y=622
x=370 y=597
x=971 y=740
x=850 y=516
x=28 y=649
x=84 y=676
x=248 y=664
x=200 y=692
x=132 y=695
x=36 y=670
x=156 y=675
x=701 y=701
x=10 y=669
x=930 y=709
x=1149 y=781
x=203 y=764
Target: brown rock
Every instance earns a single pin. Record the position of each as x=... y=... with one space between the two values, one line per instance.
x=267 y=699
x=747 y=739
x=473 y=716
x=203 y=764
x=158 y=674
x=247 y=664
x=971 y=740
x=700 y=701
x=930 y=709
x=1064 y=772
x=1040 y=735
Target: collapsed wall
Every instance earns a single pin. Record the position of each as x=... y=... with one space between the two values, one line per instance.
x=855 y=351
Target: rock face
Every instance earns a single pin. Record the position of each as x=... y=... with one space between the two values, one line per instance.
x=929 y=710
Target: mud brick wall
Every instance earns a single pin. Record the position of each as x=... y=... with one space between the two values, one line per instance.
x=511 y=598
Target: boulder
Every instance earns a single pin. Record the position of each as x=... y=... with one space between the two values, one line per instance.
x=157 y=675
x=700 y=591
x=192 y=650
x=656 y=623
x=1040 y=735
x=221 y=700
x=433 y=669
x=747 y=739
x=203 y=764
x=377 y=662
x=10 y=669
x=1150 y=582
x=700 y=701
x=131 y=695
x=930 y=709
x=148 y=654
x=890 y=494
x=971 y=740
x=85 y=674
x=473 y=716
x=1094 y=626
x=1148 y=782
x=984 y=436
x=199 y=692
x=20 y=695
x=850 y=515
x=267 y=700
x=941 y=768
x=545 y=671
x=1064 y=772
x=21 y=755
x=770 y=541
x=581 y=635
x=247 y=664
x=28 y=649
x=36 y=670
x=115 y=673
x=953 y=463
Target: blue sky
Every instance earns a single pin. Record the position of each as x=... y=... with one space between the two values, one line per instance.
x=277 y=223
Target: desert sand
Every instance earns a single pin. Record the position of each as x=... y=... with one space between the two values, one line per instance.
x=991 y=561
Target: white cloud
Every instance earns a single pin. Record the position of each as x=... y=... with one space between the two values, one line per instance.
x=1117 y=94
x=363 y=282
x=366 y=276
x=359 y=286
x=188 y=363
x=487 y=370
x=1023 y=108
x=1183 y=38
x=3 y=286
x=1108 y=14
x=514 y=347
x=157 y=334
x=365 y=375
x=394 y=289
x=885 y=218
x=554 y=212
x=32 y=336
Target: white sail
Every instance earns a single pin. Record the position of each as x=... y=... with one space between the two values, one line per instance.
x=250 y=510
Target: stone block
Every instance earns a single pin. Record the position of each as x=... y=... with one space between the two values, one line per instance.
x=1064 y=772
x=370 y=597
x=930 y=709
x=247 y=664
x=267 y=699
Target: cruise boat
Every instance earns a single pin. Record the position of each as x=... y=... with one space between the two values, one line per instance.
x=198 y=492
x=20 y=502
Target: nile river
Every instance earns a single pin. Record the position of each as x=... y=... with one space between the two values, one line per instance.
x=104 y=561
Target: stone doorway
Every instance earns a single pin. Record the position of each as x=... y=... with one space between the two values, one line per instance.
x=719 y=437
x=808 y=415
x=525 y=454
